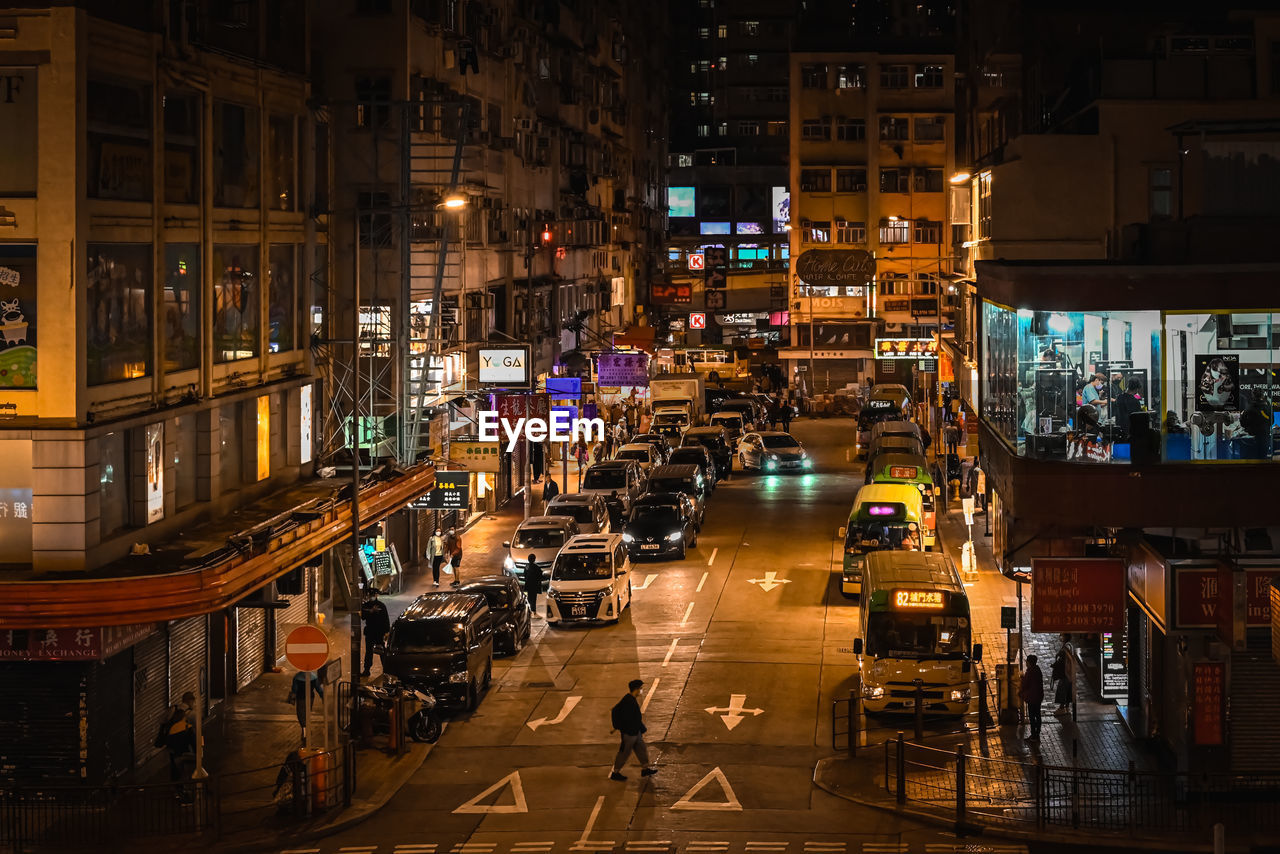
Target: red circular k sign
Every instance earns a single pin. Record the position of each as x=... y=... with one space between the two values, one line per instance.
x=307 y=648
x=697 y=261
x=697 y=320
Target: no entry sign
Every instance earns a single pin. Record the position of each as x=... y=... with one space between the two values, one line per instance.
x=306 y=648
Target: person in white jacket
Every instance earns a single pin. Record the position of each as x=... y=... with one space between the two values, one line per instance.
x=435 y=554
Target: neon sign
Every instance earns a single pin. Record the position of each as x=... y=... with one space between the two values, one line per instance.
x=931 y=599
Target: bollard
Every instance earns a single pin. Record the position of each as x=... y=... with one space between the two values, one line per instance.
x=960 y=787
x=902 y=770
x=1219 y=839
x=919 y=709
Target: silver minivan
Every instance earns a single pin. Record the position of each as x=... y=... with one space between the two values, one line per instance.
x=540 y=536
x=588 y=510
x=622 y=478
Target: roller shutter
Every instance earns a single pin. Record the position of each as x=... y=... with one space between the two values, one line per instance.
x=251 y=640
x=188 y=657
x=298 y=613
x=150 y=692
x=40 y=706
x=110 y=718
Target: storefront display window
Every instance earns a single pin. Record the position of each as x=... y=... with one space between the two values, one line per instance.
x=181 y=306
x=1223 y=386
x=1078 y=386
x=235 y=302
x=281 y=306
x=118 y=300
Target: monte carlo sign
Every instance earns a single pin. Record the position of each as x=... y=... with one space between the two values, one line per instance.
x=826 y=268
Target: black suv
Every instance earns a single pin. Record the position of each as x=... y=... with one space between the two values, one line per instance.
x=443 y=642
x=508 y=608
x=715 y=440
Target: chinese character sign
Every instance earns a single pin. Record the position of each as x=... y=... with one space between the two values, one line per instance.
x=1208 y=683
x=1077 y=594
x=476 y=456
x=16 y=508
x=906 y=348
x=451 y=492
x=623 y=369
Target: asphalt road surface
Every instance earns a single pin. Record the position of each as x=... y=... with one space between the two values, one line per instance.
x=742 y=647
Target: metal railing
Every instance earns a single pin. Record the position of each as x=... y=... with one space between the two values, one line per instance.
x=219 y=807
x=979 y=789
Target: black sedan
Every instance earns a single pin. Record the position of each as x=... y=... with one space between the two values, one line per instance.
x=696 y=455
x=659 y=441
x=661 y=524
x=512 y=619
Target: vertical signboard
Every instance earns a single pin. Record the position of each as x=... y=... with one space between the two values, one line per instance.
x=1115 y=668
x=1077 y=594
x=15 y=501
x=264 y=437
x=304 y=424
x=1208 y=682
x=716 y=281
x=155 y=471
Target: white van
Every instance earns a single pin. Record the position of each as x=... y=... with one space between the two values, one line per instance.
x=590 y=580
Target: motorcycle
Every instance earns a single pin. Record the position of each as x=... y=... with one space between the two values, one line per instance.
x=377 y=701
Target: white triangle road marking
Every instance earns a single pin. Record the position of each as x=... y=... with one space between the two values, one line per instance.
x=474 y=807
x=730 y=803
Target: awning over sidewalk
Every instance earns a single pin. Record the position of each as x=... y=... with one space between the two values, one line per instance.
x=212 y=567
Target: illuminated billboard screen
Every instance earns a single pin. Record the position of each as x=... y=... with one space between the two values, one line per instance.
x=781 y=207
x=714 y=228
x=680 y=201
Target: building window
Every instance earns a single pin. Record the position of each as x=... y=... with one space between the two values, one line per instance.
x=817 y=231
x=895 y=180
x=182 y=305
x=724 y=63
x=376 y=226
x=927 y=282
x=851 y=232
x=930 y=129
x=895 y=128
x=895 y=76
x=748 y=128
x=851 y=77
x=928 y=231
x=984 y=206
x=815 y=180
x=235 y=156
x=892 y=284
x=230 y=447
x=894 y=231
x=113 y=484
x=280 y=149
x=815 y=129
x=778 y=128
x=683 y=160
x=704 y=65
x=181 y=149
x=119 y=138
x=1161 y=188
x=185 y=460
x=235 y=302
x=851 y=180
x=929 y=76
x=704 y=97
x=373 y=102
x=118 y=305
x=722 y=129
x=813 y=76
x=749 y=28
x=704 y=32
x=281 y=280
x=704 y=130
x=722 y=31
x=927 y=180
x=851 y=130
x=753 y=60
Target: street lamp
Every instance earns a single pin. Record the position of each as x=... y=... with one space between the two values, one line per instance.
x=960 y=177
x=454 y=202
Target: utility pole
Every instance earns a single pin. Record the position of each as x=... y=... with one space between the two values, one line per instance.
x=528 y=334
x=356 y=574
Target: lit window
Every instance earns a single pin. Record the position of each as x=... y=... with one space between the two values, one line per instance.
x=929 y=77
x=851 y=232
x=722 y=31
x=894 y=231
x=748 y=128
x=851 y=77
x=704 y=33
x=817 y=232
x=704 y=130
x=722 y=129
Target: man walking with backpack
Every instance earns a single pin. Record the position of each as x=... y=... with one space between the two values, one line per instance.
x=627 y=721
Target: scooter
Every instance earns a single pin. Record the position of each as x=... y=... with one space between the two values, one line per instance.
x=376 y=702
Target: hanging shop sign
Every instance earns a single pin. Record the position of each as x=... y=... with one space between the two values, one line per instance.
x=451 y=492
x=827 y=268
x=670 y=293
x=1115 y=669
x=1208 y=688
x=906 y=348
x=623 y=369
x=507 y=367
x=89 y=644
x=1077 y=594
x=1203 y=598
x=476 y=456
x=564 y=388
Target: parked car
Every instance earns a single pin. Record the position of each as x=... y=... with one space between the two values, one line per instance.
x=541 y=536
x=509 y=609
x=685 y=479
x=697 y=455
x=643 y=453
x=731 y=422
x=622 y=480
x=753 y=416
x=659 y=441
x=661 y=523
x=670 y=422
x=587 y=510
x=715 y=441
x=773 y=451
x=443 y=642
x=590 y=580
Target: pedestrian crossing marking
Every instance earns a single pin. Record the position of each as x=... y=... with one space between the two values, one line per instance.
x=730 y=802
x=475 y=807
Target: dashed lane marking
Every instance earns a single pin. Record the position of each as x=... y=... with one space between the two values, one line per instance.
x=474 y=847
x=702 y=582
x=301 y=851
x=411 y=848
x=710 y=561
x=532 y=846
x=592 y=846
x=358 y=849
x=648 y=845
x=647 y=697
x=886 y=847
x=687 y=612
x=824 y=847
x=670 y=651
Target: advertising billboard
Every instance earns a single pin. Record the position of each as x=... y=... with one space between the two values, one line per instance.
x=681 y=201
x=780 y=204
x=507 y=367
x=1072 y=594
x=616 y=370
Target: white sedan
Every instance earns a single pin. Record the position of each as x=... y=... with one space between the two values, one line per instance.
x=643 y=453
x=773 y=451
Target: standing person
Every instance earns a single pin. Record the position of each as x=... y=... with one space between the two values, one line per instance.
x=581 y=453
x=435 y=554
x=532 y=582
x=629 y=723
x=619 y=433
x=178 y=734
x=455 y=555
x=1060 y=674
x=297 y=693
x=786 y=412
x=373 y=614
x=1033 y=695
x=951 y=437
x=775 y=411
x=608 y=443
x=549 y=491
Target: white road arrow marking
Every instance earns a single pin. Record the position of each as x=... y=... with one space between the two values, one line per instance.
x=734 y=711
x=730 y=801
x=569 y=703
x=512 y=780
x=770 y=581
x=648 y=579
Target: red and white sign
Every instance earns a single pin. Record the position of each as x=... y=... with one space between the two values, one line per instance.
x=1077 y=594
x=697 y=320
x=307 y=648
x=697 y=261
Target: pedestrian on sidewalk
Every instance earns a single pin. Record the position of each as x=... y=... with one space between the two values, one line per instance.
x=435 y=555
x=787 y=412
x=775 y=412
x=1033 y=695
x=619 y=433
x=178 y=734
x=581 y=453
x=455 y=555
x=373 y=614
x=1061 y=674
x=550 y=490
x=629 y=723
x=532 y=582
x=597 y=453
x=297 y=693
x=951 y=437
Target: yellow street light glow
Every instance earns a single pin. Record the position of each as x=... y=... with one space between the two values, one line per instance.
x=455 y=202
x=960 y=177
x=893 y=219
